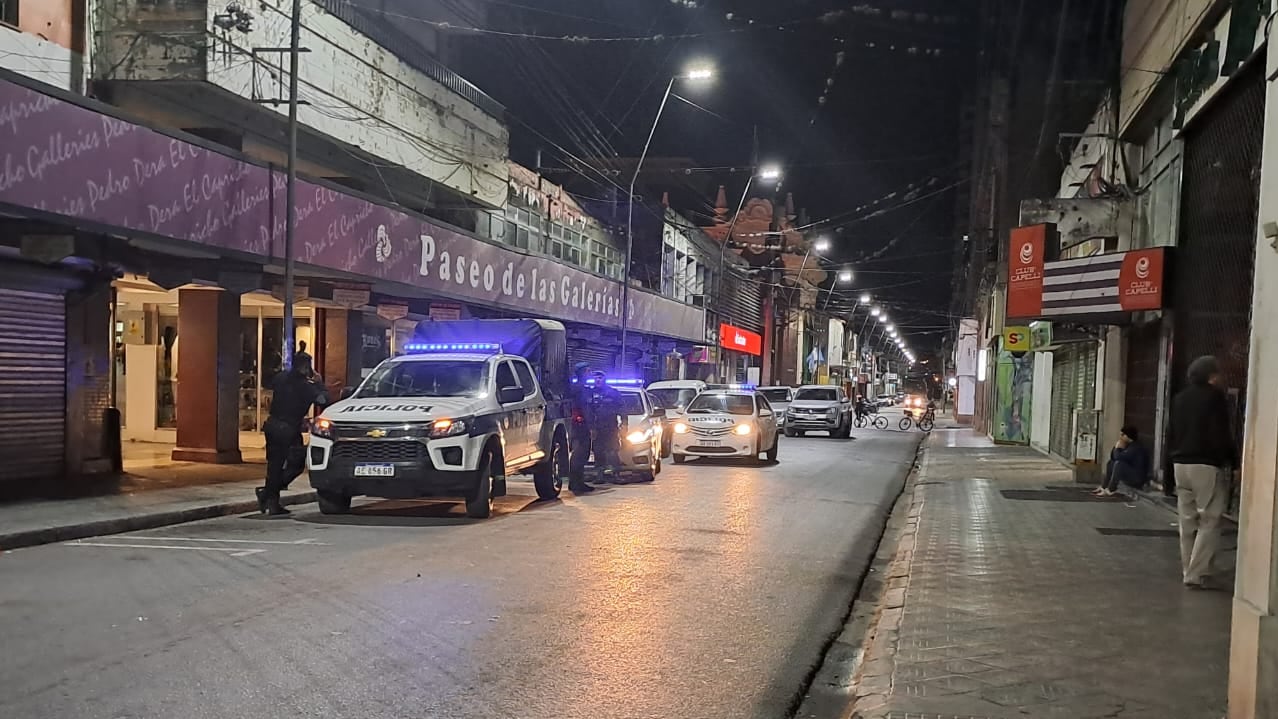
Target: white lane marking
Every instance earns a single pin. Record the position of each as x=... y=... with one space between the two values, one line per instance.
x=308 y=541
x=232 y=551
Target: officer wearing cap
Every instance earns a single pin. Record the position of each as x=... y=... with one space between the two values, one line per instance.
x=293 y=393
x=579 y=430
x=604 y=419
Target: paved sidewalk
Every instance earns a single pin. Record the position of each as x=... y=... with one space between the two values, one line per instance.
x=1012 y=595
x=144 y=498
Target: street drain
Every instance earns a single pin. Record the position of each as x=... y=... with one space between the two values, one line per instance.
x=1045 y=495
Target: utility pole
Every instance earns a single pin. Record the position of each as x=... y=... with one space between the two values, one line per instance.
x=290 y=230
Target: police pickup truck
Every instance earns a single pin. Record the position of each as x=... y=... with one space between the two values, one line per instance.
x=470 y=403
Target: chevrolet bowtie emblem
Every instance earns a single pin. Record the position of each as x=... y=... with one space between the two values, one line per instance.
x=377 y=433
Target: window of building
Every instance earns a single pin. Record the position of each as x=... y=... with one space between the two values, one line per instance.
x=1159 y=191
x=9 y=12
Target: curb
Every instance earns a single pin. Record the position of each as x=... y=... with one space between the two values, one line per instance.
x=832 y=692
x=133 y=523
x=871 y=684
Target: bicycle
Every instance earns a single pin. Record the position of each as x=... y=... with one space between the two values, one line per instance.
x=925 y=423
x=880 y=422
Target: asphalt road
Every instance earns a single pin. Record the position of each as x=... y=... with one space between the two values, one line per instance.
x=710 y=593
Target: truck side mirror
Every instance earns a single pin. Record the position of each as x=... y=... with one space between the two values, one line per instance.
x=509 y=395
x=347 y=392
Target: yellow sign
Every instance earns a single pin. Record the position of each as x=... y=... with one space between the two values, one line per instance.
x=1016 y=339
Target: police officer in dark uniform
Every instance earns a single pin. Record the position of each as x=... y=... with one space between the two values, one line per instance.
x=579 y=431
x=604 y=420
x=293 y=394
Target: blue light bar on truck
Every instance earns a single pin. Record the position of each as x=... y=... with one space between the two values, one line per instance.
x=615 y=382
x=455 y=347
x=746 y=387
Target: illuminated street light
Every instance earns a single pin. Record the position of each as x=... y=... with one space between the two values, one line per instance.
x=702 y=72
x=771 y=172
x=883 y=318
x=891 y=329
x=821 y=245
x=845 y=276
x=875 y=311
x=865 y=299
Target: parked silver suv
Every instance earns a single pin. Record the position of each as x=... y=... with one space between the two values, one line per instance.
x=819 y=408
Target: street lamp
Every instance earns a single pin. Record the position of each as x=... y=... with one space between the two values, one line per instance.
x=771 y=172
x=694 y=74
x=821 y=245
x=845 y=276
x=865 y=298
x=875 y=311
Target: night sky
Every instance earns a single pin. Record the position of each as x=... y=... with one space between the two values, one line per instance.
x=893 y=73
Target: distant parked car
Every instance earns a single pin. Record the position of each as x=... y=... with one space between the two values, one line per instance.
x=887 y=400
x=779 y=397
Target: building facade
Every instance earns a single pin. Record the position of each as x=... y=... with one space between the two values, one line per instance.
x=143 y=189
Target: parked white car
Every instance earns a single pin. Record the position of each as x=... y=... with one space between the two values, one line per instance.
x=780 y=398
x=641 y=441
x=727 y=423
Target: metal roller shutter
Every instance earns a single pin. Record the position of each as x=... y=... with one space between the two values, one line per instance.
x=1061 y=438
x=596 y=357
x=33 y=372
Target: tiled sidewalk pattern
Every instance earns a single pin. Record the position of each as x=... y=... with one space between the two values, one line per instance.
x=1024 y=607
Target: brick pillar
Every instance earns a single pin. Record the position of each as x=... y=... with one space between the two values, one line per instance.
x=208 y=377
x=1253 y=651
x=341 y=362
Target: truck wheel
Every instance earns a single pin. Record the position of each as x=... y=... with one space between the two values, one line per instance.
x=772 y=453
x=548 y=477
x=479 y=505
x=679 y=458
x=846 y=430
x=789 y=432
x=333 y=502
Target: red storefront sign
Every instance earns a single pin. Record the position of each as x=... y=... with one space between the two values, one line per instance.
x=1141 y=280
x=1025 y=272
x=735 y=338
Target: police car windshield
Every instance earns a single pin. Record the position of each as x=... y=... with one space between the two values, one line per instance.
x=817 y=395
x=776 y=395
x=741 y=404
x=445 y=378
x=631 y=404
x=672 y=397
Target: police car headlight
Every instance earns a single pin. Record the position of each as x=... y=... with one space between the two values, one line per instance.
x=322 y=427
x=639 y=437
x=441 y=428
x=743 y=429
x=680 y=428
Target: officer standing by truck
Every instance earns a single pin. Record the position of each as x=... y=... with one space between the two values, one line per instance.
x=293 y=394
x=579 y=430
x=604 y=417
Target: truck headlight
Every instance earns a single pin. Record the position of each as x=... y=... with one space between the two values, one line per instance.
x=441 y=428
x=680 y=428
x=639 y=437
x=743 y=429
x=323 y=428
x=832 y=412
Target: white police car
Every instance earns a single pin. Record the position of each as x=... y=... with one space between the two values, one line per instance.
x=444 y=420
x=726 y=423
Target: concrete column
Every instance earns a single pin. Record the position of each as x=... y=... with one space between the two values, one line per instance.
x=342 y=342
x=90 y=339
x=208 y=377
x=1253 y=662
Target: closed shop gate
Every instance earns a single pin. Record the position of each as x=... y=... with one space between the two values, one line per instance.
x=1144 y=351
x=1073 y=388
x=33 y=373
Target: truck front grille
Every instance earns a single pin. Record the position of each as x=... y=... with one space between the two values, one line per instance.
x=393 y=451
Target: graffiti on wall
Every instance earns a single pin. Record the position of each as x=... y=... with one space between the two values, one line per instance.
x=1013 y=391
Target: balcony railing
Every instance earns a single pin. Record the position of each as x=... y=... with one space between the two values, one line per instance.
x=411 y=53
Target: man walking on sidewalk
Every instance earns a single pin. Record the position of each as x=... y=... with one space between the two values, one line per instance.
x=1203 y=456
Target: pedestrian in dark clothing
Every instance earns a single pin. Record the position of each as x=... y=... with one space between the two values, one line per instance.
x=293 y=394
x=1204 y=456
x=1128 y=464
x=579 y=431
